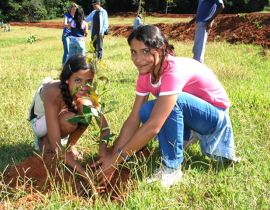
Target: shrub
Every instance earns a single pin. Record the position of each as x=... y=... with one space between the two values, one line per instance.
x=31 y=39
x=238 y=6
x=31 y=11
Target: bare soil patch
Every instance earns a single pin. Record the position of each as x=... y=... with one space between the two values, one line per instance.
x=43 y=174
x=251 y=28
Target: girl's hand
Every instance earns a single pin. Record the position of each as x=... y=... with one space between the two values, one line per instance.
x=102 y=150
x=82 y=101
x=103 y=153
x=106 y=172
x=107 y=167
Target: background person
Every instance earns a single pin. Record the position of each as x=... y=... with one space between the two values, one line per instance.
x=99 y=25
x=68 y=17
x=54 y=102
x=189 y=97
x=137 y=21
x=79 y=31
x=206 y=12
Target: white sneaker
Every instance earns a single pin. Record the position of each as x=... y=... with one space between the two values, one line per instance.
x=166 y=176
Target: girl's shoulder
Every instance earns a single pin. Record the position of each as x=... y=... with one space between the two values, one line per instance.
x=68 y=15
x=51 y=90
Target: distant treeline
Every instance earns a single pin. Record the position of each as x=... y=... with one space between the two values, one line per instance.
x=35 y=10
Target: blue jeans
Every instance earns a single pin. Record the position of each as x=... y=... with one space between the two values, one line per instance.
x=199 y=42
x=189 y=112
x=65 y=41
x=76 y=46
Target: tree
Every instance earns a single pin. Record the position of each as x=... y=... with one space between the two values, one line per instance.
x=169 y=3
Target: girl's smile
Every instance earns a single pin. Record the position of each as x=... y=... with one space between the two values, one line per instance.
x=144 y=58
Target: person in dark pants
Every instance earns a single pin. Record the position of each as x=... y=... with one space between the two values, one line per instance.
x=99 y=25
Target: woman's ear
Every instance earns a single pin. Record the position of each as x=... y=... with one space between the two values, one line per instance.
x=67 y=82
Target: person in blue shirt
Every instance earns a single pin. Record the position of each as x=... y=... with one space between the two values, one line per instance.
x=68 y=17
x=99 y=25
x=206 y=12
x=137 y=21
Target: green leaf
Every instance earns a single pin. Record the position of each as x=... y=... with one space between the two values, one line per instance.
x=86 y=109
x=88 y=118
x=94 y=112
x=77 y=119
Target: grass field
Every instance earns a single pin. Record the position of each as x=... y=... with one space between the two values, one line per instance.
x=244 y=71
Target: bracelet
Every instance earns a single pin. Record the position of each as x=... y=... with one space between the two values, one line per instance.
x=123 y=154
x=106 y=128
x=105 y=139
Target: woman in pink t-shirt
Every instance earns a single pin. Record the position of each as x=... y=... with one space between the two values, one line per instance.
x=189 y=97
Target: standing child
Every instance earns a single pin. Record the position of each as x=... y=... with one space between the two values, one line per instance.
x=79 y=30
x=189 y=97
x=54 y=102
x=68 y=17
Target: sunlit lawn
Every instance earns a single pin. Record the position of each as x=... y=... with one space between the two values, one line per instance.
x=244 y=71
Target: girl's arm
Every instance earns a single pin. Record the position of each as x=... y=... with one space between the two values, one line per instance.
x=140 y=136
x=74 y=136
x=152 y=126
x=51 y=102
x=104 y=134
x=132 y=123
x=65 y=22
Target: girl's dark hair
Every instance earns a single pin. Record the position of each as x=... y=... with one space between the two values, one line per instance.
x=152 y=37
x=74 y=64
x=79 y=17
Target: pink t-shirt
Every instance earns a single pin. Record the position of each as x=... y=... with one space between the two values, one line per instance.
x=187 y=75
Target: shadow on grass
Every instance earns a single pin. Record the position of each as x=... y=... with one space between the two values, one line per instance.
x=193 y=158
x=10 y=154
